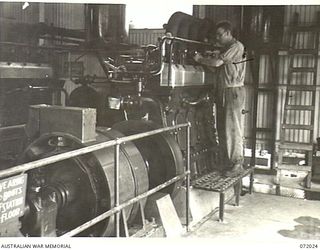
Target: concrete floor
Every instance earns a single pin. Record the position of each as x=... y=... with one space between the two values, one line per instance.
x=264 y=218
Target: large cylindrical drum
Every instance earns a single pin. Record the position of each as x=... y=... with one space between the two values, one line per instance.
x=85 y=185
x=186 y=26
x=161 y=153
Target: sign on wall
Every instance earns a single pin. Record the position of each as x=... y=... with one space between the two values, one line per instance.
x=12 y=198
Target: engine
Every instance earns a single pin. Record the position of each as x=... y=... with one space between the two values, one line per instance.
x=161 y=84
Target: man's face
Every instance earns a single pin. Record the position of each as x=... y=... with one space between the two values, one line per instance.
x=223 y=36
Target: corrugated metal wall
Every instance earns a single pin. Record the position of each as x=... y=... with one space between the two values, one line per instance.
x=221 y=12
x=13 y=12
x=298 y=98
x=307 y=13
x=307 y=16
x=65 y=15
x=71 y=16
x=145 y=36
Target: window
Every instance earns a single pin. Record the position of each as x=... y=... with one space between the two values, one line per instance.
x=153 y=15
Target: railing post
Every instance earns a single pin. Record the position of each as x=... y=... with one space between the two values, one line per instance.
x=188 y=176
x=116 y=188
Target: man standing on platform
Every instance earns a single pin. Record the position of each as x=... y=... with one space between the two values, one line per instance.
x=230 y=63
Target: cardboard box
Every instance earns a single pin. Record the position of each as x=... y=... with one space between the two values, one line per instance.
x=263 y=159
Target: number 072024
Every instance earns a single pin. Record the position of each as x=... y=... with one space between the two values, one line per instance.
x=308 y=246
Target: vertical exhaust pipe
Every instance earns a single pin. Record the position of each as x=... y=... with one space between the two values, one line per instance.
x=105 y=24
x=105 y=28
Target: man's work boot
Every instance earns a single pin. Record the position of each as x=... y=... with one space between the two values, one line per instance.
x=235 y=171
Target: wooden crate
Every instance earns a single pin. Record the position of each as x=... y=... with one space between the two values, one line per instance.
x=78 y=122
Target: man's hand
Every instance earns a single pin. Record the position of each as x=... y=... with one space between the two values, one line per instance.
x=208 y=61
x=214 y=53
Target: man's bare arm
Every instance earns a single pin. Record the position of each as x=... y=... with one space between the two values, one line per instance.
x=208 y=61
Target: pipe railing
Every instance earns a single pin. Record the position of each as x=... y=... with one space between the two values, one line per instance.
x=116 y=143
x=179 y=39
x=60 y=157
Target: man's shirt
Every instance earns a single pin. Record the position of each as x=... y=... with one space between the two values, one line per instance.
x=232 y=72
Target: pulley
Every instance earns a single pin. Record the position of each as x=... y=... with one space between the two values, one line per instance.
x=161 y=153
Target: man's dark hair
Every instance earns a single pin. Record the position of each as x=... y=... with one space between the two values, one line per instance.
x=226 y=25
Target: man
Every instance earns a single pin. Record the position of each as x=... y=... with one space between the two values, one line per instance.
x=230 y=97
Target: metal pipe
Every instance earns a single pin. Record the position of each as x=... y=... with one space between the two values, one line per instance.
x=63 y=39
x=117 y=187
x=174 y=38
x=255 y=75
x=51 y=89
x=60 y=157
x=188 y=176
x=149 y=133
x=13 y=127
x=66 y=48
x=43 y=29
x=55 y=158
x=107 y=214
x=170 y=64
x=66 y=96
x=102 y=64
x=161 y=55
x=60 y=48
x=197 y=102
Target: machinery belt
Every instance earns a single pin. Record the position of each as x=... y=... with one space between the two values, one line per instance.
x=215 y=181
